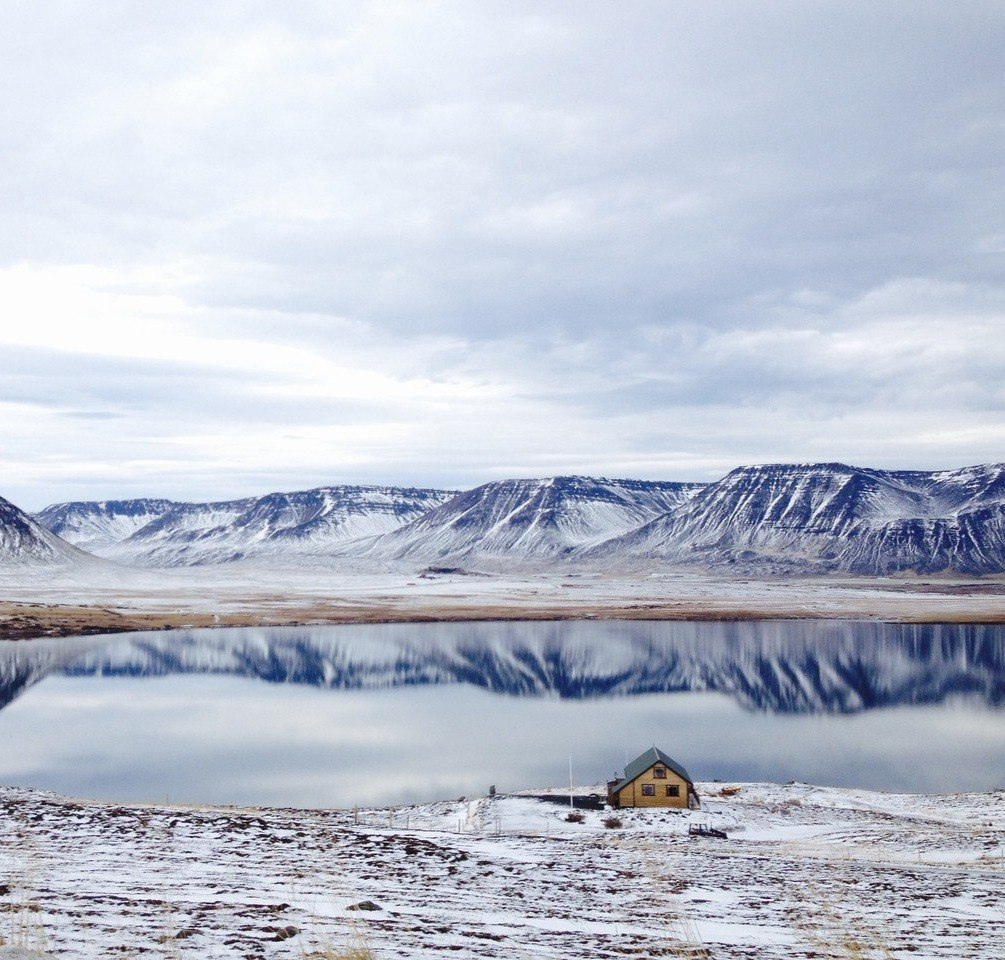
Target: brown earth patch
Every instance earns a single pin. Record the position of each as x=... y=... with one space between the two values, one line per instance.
x=22 y=621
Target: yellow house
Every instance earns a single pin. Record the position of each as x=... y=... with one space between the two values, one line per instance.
x=653 y=780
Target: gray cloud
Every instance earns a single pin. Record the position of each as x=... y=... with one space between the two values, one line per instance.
x=497 y=238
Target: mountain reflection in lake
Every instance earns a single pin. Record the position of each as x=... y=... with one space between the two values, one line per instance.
x=364 y=714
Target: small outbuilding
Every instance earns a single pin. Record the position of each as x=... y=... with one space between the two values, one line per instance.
x=654 y=780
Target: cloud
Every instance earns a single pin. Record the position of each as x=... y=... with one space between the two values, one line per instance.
x=92 y=414
x=446 y=242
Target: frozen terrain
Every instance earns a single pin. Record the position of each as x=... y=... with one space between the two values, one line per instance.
x=101 y=525
x=525 y=520
x=794 y=517
x=165 y=533
x=778 y=519
x=25 y=543
x=107 y=597
x=806 y=872
x=119 y=598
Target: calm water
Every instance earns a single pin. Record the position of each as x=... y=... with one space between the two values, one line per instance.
x=377 y=714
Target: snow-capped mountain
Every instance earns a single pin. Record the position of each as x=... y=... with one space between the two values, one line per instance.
x=99 y=525
x=781 y=518
x=832 y=516
x=308 y=522
x=531 y=519
x=785 y=667
x=23 y=542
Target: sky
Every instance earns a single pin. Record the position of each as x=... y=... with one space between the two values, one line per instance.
x=248 y=246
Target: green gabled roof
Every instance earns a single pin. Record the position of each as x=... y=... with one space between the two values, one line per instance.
x=642 y=763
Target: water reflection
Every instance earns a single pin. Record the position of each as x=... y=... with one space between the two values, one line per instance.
x=786 y=667
x=443 y=710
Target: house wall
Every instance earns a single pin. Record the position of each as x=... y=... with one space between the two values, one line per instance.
x=631 y=794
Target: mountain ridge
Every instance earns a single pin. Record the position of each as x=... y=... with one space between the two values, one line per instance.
x=832 y=516
x=191 y=533
x=531 y=518
x=25 y=542
x=770 y=518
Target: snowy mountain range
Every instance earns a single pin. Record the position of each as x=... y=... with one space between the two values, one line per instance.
x=791 y=667
x=785 y=518
x=166 y=533
x=531 y=519
x=833 y=517
x=101 y=525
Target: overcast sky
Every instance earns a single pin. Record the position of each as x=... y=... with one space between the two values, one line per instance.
x=255 y=246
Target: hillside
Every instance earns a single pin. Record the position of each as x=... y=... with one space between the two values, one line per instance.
x=528 y=520
x=25 y=543
x=832 y=516
x=805 y=871
x=772 y=519
x=155 y=532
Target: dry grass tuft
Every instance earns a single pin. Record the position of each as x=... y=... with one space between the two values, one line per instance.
x=356 y=949
x=836 y=936
x=674 y=932
x=342 y=953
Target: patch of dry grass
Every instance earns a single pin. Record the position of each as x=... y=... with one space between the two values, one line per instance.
x=835 y=935
x=355 y=948
x=342 y=953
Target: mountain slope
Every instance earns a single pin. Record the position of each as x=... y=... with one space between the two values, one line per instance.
x=833 y=516
x=781 y=518
x=24 y=542
x=99 y=525
x=969 y=543
x=306 y=522
x=531 y=519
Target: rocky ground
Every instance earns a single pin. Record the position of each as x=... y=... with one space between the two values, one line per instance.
x=805 y=872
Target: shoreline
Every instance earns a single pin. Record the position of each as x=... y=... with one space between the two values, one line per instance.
x=35 y=603
x=30 y=621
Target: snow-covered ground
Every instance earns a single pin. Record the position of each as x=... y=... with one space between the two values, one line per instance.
x=806 y=871
x=332 y=591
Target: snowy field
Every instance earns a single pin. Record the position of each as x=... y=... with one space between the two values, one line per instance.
x=252 y=593
x=806 y=872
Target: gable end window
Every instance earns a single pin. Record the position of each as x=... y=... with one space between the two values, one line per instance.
x=659 y=773
x=673 y=791
x=648 y=790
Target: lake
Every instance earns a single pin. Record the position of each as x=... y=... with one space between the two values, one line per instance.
x=377 y=714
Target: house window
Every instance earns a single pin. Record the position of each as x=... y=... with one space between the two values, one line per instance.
x=673 y=791
x=649 y=789
x=659 y=773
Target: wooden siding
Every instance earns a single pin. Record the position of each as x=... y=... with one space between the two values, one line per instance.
x=631 y=794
